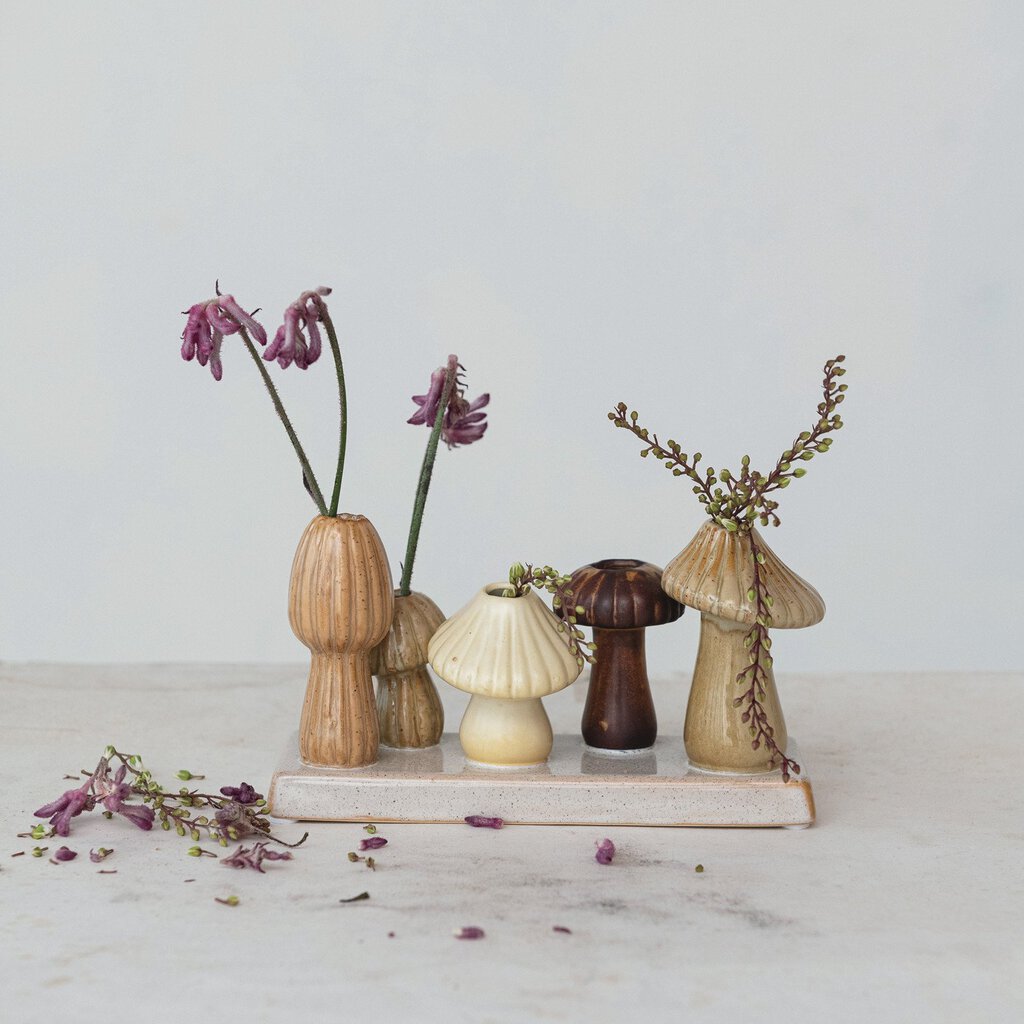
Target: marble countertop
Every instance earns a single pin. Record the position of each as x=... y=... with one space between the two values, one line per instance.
x=903 y=902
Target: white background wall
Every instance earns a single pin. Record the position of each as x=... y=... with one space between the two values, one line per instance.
x=685 y=206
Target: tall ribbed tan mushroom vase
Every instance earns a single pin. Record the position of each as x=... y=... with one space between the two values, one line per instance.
x=408 y=704
x=340 y=605
x=715 y=575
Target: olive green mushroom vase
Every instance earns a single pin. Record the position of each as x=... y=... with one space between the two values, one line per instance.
x=715 y=575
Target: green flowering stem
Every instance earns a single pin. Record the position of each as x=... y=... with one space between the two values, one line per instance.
x=343 y=403
x=522 y=577
x=755 y=676
x=423 y=485
x=307 y=470
x=736 y=500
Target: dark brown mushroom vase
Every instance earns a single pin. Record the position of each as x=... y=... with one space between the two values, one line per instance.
x=619 y=598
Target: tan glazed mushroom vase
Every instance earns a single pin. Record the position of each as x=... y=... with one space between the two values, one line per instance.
x=714 y=574
x=508 y=653
x=408 y=704
x=340 y=605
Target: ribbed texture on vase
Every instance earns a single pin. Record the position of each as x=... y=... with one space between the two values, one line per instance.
x=409 y=709
x=340 y=604
x=506 y=647
x=415 y=621
x=622 y=593
x=341 y=595
x=714 y=572
x=339 y=716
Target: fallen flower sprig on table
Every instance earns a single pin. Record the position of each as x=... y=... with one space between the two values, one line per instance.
x=237 y=811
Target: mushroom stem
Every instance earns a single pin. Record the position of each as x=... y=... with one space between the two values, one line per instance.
x=409 y=709
x=619 y=714
x=506 y=733
x=339 y=718
x=716 y=737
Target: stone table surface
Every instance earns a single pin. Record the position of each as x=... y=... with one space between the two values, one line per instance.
x=903 y=902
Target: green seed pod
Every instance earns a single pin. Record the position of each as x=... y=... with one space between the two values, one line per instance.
x=799 y=471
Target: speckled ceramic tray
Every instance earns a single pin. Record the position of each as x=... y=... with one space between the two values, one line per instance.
x=578 y=786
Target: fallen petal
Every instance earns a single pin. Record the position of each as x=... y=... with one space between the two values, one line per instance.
x=373 y=843
x=605 y=852
x=481 y=821
x=469 y=932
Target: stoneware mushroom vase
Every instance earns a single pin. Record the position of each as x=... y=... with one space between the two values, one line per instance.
x=714 y=574
x=507 y=653
x=340 y=605
x=408 y=705
x=620 y=598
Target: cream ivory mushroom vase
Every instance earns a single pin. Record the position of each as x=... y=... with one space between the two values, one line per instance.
x=714 y=574
x=508 y=653
x=408 y=704
x=340 y=605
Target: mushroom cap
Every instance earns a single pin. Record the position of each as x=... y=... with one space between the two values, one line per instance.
x=714 y=572
x=505 y=647
x=622 y=593
x=415 y=621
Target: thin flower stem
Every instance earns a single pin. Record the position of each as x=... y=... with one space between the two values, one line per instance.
x=343 y=402
x=426 y=472
x=279 y=408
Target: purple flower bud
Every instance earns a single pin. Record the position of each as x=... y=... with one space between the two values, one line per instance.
x=239 y=315
x=373 y=843
x=480 y=821
x=242 y=793
x=140 y=815
x=269 y=854
x=64 y=854
x=207 y=325
x=70 y=805
x=467 y=427
x=605 y=852
x=253 y=857
x=469 y=931
x=463 y=422
x=428 y=403
x=289 y=344
x=101 y=854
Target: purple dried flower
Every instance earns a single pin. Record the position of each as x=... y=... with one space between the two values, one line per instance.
x=114 y=792
x=242 y=794
x=469 y=931
x=480 y=821
x=253 y=857
x=140 y=815
x=101 y=854
x=64 y=854
x=208 y=322
x=373 y=843
x=465 y=425
x=463 y=422
x=428 y=403
x=605 y=852
x=70 y=805
x=289 y=344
